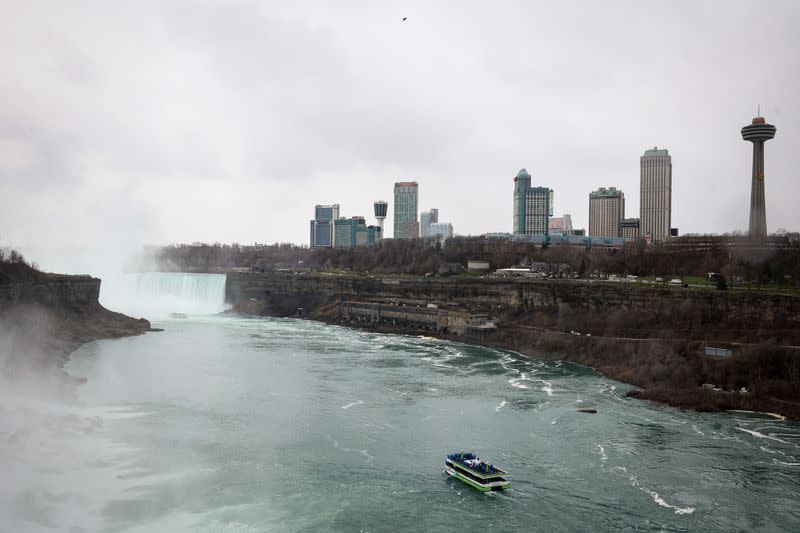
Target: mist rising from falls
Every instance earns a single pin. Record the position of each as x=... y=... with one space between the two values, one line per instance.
x=155 y=295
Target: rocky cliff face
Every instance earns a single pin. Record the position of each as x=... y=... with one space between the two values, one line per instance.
x=648 y=336
x=42 y=321
x=53 y=290
x=613 y=309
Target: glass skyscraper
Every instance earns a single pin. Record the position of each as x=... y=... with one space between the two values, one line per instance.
x=322 y=227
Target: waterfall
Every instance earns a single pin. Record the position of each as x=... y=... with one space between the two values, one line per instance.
x=155 y=295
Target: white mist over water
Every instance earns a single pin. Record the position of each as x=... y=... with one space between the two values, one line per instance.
x=155 y=295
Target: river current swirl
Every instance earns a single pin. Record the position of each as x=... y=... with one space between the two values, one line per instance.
x=244 y=424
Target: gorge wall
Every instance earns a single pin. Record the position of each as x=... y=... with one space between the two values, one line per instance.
x=43 y=321
x=646 y=335
x=52 y=290
x=610 y=309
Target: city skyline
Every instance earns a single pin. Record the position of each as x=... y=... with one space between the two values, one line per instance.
x=106 y=145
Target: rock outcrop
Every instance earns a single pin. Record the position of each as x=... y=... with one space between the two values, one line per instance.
x=43 y=321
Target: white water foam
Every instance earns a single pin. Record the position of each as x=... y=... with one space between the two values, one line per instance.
x=659 y=500
x=505 y=360
x=502 y=404
x=762 y=436
x=773 y=415
x=603 y=456
x=515 y=382
x=349 y=405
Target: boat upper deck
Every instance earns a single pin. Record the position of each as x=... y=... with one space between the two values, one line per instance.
x=472 y=464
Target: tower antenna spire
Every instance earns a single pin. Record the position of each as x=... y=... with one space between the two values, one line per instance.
x=758 y=113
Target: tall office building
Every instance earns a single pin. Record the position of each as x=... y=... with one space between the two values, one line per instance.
x=655 y=190
x=758 y=133
x=406 y=225
x=533 y=206
x=606 y=210
x=426 y=218
x=322 y=227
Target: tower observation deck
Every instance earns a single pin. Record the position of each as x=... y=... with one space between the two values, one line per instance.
x=758 y=133
x=380 y=212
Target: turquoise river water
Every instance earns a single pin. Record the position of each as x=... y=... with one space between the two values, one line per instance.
x=224 y=423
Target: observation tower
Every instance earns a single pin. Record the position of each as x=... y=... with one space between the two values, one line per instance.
x=758 y=133
x=380 y=213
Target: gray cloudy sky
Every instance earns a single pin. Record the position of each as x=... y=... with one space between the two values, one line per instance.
x=157 y=122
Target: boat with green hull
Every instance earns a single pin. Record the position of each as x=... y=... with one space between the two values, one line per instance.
x=469 y=468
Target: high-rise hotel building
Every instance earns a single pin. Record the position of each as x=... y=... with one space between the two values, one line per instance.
x=322 y=232
x=533 y=206
x=655 y=206
x=406 y=196
x=606 y=211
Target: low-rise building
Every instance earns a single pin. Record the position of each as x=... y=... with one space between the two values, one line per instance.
x=450 y=268
x=630 y=228
x=477 y=265
x=430 y=318
x=562 y=225
x=441 y=230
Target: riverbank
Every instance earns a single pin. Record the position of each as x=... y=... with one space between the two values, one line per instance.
x=651 y=338
x=46 y=317
x=631 y=361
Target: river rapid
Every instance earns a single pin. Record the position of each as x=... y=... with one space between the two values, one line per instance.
x=225 y=423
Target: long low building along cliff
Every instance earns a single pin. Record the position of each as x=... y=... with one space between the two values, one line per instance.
x=432 y=318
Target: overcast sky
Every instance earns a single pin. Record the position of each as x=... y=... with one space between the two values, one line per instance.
x=160 y=122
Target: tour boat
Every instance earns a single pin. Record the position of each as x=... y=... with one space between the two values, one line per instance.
x=469 y=468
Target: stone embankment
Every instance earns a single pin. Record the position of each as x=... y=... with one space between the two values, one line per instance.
x=650 y=336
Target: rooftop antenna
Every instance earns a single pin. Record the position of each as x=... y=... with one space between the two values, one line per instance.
x=759 y=111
